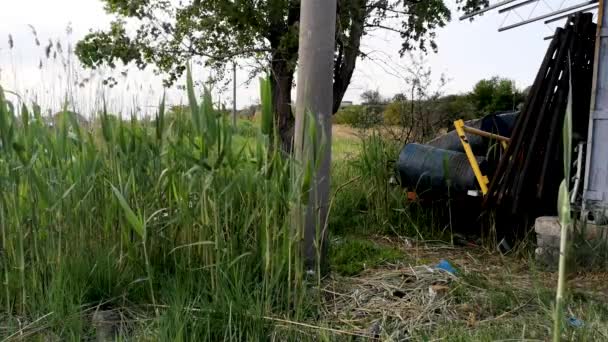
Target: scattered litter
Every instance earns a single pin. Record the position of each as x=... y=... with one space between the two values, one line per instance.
x=575 y=322
x=412 y=196
x=446 y=266
x=503 y=246
x=474 y=193
x=462 y=240
x=438 y=290
x=393 y=181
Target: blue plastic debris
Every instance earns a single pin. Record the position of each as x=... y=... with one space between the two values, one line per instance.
x=446 y=266
x=575 y=322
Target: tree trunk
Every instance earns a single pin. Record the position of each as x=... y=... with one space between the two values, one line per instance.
x=348 y=47
x=283 y=65
x=282 y=82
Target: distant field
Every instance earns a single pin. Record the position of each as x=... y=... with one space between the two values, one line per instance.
x=346 y=141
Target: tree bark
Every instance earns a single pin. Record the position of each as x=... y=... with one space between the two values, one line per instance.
x=348 y=49
x=283 y=63
x=282 y=82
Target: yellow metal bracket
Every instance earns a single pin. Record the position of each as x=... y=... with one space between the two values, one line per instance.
x=481 y=179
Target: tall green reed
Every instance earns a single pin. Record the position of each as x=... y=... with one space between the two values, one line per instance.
x=364 y=202
x=565 y=218
x=171 y=203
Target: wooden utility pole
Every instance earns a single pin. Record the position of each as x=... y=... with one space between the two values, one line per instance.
x=234 y=94
x=313 y=114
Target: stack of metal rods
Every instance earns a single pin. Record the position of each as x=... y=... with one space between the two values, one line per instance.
x=527 y=178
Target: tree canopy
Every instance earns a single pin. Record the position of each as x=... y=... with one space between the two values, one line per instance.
x=169 y=34
x=496 y=94
x=372 y=97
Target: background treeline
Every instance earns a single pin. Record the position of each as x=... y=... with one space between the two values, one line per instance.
x=426 y=113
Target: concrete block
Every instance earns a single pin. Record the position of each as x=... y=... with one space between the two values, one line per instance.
x=548 y=232
x=547 y=241
x=548 y=257
x=547 y=226
x=107 y=325
x=582 y=247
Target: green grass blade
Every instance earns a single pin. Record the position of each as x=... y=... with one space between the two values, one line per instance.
x=266 y=98
x=133 y=220
x=4 y=121
x=565 y=212
x=209 y=119
x=160 y=120
x=194 y=111
x=25 y=118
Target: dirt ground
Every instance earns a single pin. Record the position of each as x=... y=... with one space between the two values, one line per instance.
x=490 y=297
x=345 y=132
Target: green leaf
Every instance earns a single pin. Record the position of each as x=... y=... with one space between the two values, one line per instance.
x=135 y=222
x=5 y=121
x=75 y=126
x=563 y=204
x=122 y=139
x=160 y=120
x=266 y=99
x=25 y=118
x=311 y=146
x=192 y=100
x=37 y=112
x=209 y=118
x=567 y=135
x=564 y=212
x=106 y=124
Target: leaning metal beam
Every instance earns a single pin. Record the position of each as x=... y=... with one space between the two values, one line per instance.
x=548 y=15
x=564 y=16
x=486 y=9
x=521 y=4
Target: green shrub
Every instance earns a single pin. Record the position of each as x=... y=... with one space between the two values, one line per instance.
x=247 y=129
x=350 y=256
x=396 y=113
x=348 y=116
x=359 y=116
x=365 y=202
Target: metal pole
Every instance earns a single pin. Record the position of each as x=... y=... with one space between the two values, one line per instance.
x=548 y=15
x=486 y=9
x=314 y=102
x=595 y=196
x=234 y=94
x=564 y=16
x=516 y=6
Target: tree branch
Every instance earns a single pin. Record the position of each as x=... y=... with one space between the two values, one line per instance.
x=383 y=27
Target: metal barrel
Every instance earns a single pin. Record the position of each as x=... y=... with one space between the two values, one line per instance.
x=424 y=169
x=501 y=124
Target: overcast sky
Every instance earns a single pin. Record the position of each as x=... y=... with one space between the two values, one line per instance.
x=468 y=52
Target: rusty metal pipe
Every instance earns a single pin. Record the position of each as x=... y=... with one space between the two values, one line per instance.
x=485 y=134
